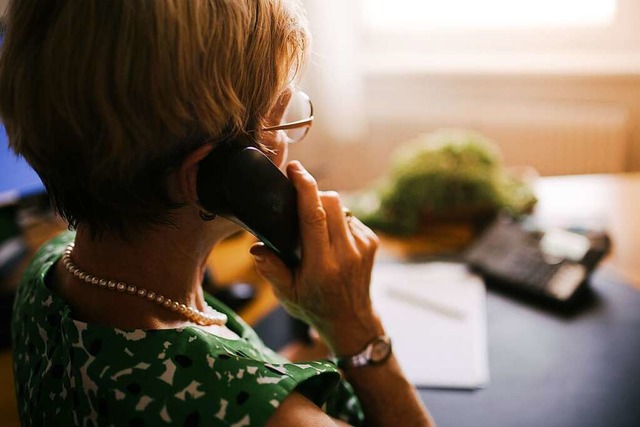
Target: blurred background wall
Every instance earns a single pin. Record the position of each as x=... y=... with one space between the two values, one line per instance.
x=555 y=83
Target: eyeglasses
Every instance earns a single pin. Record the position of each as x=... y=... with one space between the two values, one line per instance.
x=297 y=118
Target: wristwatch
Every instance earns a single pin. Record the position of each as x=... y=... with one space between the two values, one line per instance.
x=375 y=353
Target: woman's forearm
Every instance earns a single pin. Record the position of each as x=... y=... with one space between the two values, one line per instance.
x=387 y=397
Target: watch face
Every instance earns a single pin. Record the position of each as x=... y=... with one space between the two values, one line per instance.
x=380 y=350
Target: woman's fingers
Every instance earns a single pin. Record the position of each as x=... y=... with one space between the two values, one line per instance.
x=365 y=239
x=313 y=218
x=339 y=234
x=271 y=268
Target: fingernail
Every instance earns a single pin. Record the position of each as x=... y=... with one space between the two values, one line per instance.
x=256 y=251
x=256 y=248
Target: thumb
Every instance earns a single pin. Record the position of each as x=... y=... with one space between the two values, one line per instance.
x=270 y=267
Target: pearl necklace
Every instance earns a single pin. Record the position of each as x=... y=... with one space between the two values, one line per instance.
x=203 y=318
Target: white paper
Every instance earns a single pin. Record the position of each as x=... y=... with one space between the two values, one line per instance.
x=435 y=314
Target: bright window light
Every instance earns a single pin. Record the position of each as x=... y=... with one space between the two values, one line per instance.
x=485 y=14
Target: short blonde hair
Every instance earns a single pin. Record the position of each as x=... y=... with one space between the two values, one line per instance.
x=104 y=98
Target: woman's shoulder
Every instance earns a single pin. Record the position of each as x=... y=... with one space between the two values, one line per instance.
x=170 y=376
x=177 y=375
x=46 y=256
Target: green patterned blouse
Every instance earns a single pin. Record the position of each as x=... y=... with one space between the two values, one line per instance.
x=68 y=372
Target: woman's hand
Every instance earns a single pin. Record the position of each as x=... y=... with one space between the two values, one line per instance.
x=330 y=289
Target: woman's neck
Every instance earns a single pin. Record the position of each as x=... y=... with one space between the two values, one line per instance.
x=166 y=260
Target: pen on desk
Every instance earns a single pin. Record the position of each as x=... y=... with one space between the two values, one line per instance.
x=425 y=303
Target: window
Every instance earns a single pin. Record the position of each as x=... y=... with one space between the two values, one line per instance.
x=514 y=36
x=417 y=15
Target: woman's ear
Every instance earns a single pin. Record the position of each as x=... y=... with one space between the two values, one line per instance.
x=188 y=174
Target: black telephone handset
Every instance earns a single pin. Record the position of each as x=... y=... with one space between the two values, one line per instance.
x=238 y=182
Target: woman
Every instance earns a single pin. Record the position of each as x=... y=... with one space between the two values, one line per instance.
x=115 y=104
